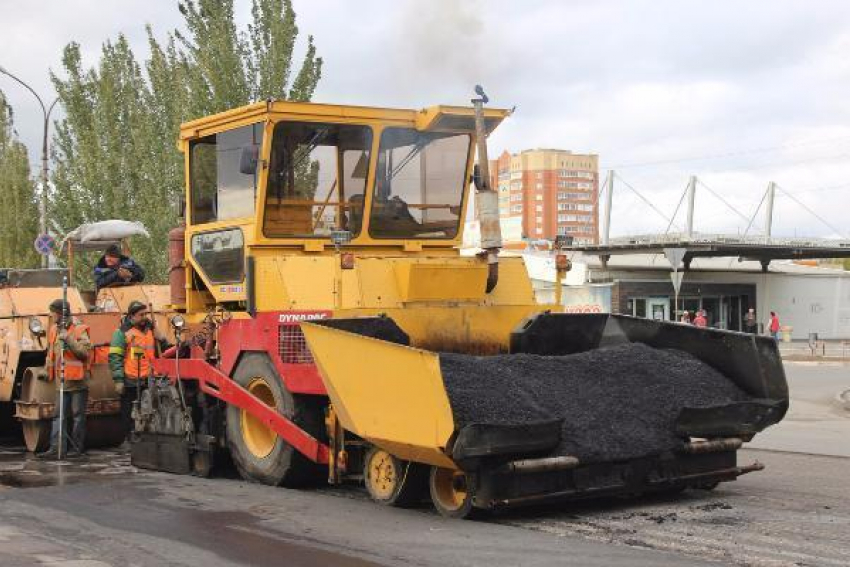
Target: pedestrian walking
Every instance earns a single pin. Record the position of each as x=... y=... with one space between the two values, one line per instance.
x=700 y=320
x=68 y=339
x=750 y=321
x=773 y=325
x=134 y=345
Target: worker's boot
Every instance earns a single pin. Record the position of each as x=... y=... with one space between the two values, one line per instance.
x=51 y=453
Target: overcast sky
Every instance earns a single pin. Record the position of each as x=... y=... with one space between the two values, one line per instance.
x=737 y=93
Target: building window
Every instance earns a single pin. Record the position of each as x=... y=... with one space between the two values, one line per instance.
x=539 y=208
x=516 y=208
x=538 y=197
x=539 y=220
x=562 y=195
x=516 y=197
x=573 y=218
x=584 y=207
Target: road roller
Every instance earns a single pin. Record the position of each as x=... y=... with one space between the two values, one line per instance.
x=26 y=403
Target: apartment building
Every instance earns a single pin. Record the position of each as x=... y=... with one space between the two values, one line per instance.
x=550 y=192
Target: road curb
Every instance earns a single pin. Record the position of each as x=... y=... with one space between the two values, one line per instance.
x=819 y=362
x=843 y=400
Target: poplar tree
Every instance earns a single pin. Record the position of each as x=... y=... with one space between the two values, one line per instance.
x=18 y=205
x=114 y=152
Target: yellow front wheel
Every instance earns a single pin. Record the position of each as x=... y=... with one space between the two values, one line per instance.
x=259 y=439
x=452 y=492
x=257 y=451
x=392 y=481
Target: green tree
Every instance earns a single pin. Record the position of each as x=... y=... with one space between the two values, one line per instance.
x=18 y=205
x=115 y=151
x=100 y=149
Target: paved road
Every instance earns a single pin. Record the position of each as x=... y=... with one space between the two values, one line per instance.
x=815 y=422
x=102 y=512
x=106 y=514
x=795 y=513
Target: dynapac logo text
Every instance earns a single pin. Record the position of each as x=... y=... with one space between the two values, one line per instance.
x=295 y=317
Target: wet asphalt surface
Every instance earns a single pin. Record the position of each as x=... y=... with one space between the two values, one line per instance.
x=100 y=511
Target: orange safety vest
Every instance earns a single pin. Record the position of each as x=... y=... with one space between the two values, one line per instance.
x=75 y=369
x=138 y=342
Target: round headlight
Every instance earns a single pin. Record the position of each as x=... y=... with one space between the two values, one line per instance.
x=36 y=328
x=178 y=322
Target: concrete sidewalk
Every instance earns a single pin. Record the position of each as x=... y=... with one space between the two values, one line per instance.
x=818 y=420
x=829 y=351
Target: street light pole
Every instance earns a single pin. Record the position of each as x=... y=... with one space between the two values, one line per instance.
x=42 y=203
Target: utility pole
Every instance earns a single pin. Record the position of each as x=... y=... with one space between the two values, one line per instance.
x=42 y=203
x=768 y=219
x=692 y=190
x=609 y=195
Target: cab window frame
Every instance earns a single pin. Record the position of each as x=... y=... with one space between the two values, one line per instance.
x=270 y=189
x=462 y=189
x=203 y=268
x=202 y=213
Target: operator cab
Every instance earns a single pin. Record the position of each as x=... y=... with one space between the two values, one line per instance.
x=296 y=176
x=376 y=178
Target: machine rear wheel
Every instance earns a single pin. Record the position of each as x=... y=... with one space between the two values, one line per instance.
x=452 y=493
x=36 y=434
x=258 y=452
x=392 y=481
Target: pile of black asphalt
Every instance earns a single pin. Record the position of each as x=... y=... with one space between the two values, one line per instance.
x=616 y=403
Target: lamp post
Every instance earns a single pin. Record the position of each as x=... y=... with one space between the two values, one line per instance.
x=42 y=204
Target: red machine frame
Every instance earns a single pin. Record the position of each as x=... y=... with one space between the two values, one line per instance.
x=277 y=334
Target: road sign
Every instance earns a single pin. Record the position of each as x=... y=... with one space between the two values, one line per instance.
x=675 y=256
x=676 y=278
x=44 y=244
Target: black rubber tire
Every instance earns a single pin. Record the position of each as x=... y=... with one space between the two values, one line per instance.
x=411 y=486
x=36 y=434
x=283 y=465
x=465 y=510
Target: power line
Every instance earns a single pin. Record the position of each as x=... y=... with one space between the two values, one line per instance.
x=780 y=163
x=730 y=154
x=818 y=189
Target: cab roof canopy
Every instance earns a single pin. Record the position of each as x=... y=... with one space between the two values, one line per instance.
x=433 y=118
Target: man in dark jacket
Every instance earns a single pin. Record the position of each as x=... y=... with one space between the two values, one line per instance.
x=114 y=268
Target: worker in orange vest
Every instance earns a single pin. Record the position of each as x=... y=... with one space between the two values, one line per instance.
x=134 y=344
x=68 y=339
